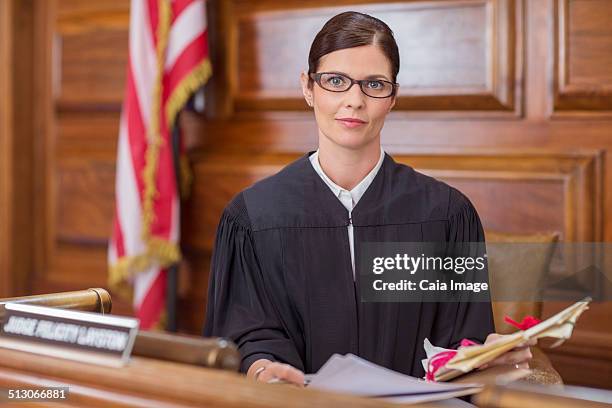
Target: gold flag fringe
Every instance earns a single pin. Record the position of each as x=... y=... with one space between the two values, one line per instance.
x=161 y=251
x=155 y=139
x=191 y=83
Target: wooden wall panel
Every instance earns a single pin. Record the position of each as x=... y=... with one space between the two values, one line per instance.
x=94 y=132
x=17 y=141
x=583 y=57
x=91 y=44
x=78 y=266
x=6 y=138
x=85 y=205
x=92 y=70
x=456 y=55
x=109 y=12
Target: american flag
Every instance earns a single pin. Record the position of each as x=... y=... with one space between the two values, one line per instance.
x=168 y=62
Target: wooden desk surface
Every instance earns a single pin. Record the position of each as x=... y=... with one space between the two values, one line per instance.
x=152 y=383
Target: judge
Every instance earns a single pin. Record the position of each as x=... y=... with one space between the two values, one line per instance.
x=284 y=276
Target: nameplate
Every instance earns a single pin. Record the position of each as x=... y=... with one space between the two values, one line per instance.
x=81 y=336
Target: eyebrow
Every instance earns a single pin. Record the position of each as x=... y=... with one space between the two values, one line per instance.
x=375 y=76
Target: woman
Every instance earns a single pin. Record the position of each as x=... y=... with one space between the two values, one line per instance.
x=283 y=283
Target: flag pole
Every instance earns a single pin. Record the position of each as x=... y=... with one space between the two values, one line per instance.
x=173 y=270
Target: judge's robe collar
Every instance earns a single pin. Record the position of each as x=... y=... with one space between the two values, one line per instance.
x=297 y=197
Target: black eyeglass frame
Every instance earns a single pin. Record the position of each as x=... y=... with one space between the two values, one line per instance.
x=316 y=76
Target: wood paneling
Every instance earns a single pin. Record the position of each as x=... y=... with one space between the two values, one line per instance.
x=532 y=193
x=85 y=205
x=92 y=70
x=92 y=132
x=16 y=145
x=583 y=54
x=6 y=139
x=456 y=55
x=91 y=44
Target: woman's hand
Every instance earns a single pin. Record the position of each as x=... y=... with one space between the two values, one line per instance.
x=265 y=370
x=518 y=356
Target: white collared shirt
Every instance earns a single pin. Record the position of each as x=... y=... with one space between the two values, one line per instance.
x=349 y=199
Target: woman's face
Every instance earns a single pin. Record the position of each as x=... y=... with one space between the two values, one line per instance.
x=332 y=109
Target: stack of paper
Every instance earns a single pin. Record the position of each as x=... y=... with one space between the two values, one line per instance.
x=559 y=326
x=353 y=375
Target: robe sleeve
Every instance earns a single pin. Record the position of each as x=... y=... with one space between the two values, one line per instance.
x=238 y=307
x=470 y=320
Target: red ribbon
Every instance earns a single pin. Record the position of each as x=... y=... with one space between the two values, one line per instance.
x=526 y=323
x=440 y=359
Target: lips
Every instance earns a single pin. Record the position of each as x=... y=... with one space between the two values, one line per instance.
x=351 y=122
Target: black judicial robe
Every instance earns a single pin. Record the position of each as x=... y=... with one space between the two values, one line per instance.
x=282 y=287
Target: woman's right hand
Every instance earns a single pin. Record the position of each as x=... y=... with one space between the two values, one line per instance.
x=265 y=370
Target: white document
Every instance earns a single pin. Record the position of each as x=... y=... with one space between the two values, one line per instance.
x=350 y=374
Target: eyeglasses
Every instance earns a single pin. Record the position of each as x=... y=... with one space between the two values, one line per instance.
x=334 y=82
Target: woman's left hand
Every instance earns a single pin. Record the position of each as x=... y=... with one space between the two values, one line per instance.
x=518 y=356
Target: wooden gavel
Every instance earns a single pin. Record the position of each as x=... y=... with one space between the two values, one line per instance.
x=207 y=352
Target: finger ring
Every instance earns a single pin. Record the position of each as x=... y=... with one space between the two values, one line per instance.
x=258 y=372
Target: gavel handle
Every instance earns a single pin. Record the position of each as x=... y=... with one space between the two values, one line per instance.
x=206 y=352
x=89 y=300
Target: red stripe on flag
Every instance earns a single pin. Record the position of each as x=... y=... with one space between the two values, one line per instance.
x=166 y=187
x=152 y=305
x=191 y=56
x=178 y=6
x=136 y=130
x=153 y=6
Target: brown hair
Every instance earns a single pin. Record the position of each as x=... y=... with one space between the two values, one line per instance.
x=352 y=29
